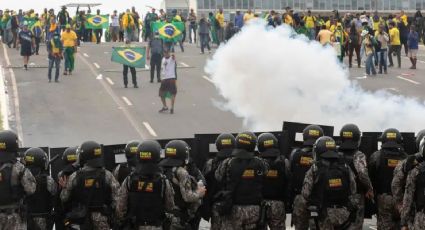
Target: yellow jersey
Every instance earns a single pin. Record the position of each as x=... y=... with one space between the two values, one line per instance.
x=394 y=36
x=68 y=38
x=310 y=21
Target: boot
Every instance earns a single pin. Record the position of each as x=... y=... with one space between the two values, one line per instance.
x=412 y=61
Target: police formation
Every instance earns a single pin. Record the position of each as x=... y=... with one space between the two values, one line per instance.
x=324 y=183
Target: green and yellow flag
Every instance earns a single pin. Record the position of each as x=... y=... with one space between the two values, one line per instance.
x=97 y=21
x=169 y=32
x=131 y=56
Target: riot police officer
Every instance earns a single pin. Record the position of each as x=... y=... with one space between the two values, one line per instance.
x=12 y=188
x=244 y=177
x=381 y=169
x=123 y=170
x=329 y=188
x=349 y=148
x=414 y=197
x=92 y=190
x=275 y=190
x=40 y=203
x=146 y=194
x=225 y=143
x=187 y=194
x=301 y=160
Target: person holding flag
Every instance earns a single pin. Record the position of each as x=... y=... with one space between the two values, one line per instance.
x=98 y=31
x=128 y=25
x=69 y=40
x=54 y=50
x=37 y=31
x=26 y=40
x=132 y=70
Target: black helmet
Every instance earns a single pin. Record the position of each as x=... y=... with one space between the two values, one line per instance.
x=131 y=152
x=8 y=145
x=149 y=151
x=325 y=147
x=311 y=133
x=225 y=144
x=176 y=154
x=391 y=138
x=246 y=141
x=268 y=145
x=90 y=153
x=36 y=158
x=350 y=137
x=70 y=155
x=419 y=137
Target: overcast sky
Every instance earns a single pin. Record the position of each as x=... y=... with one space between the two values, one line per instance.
x=107 y=5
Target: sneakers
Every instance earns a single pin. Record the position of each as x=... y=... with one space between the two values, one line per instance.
x=25 y=67
x=159 y=81
x=125 y=86
x=65 y=73
x=135 y=86
x=172 y=111
x=164 y=109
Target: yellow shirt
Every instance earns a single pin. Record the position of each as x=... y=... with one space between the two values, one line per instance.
x=288 y=20
x=127 y=21
x=394 y=36
x=220 y=18
x=377 y=23
x=310 y=21
x=68 y=39
x=332 y=28
x=328 y=24
x=404 y=19
x=247 y=17
x=177 y=18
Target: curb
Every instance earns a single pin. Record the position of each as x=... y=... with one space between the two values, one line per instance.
x=4 y=101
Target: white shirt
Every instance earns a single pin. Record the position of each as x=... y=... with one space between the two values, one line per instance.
x=168 y=68
x=115 y=21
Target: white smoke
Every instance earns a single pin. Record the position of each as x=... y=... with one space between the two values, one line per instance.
x=270 y=76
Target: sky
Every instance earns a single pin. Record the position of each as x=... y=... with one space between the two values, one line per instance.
x=107 y=5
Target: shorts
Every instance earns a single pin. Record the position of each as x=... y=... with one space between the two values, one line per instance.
x=168 y=87
x=26 y=51
x=413 y=53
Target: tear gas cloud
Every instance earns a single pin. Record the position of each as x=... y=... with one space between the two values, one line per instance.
x=268 y=76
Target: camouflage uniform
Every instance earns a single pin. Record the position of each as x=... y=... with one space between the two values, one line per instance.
x=9 y=217
x=41 y=222
x=99 y=221
x=116 y=172
x=123 y=201
x=242 y=216
x=334 y=216
x=409 y=203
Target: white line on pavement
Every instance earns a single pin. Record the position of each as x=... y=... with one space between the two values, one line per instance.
x=393 y=89
x=99 y=77
x=128 y=102
x=364 y=77
x=372 y=228
x=109 y=81
x=208 y=79
x=150 y=129
x=96 y=65
x=15 y=99
x=146 y=66
x=3 y=98
x=411 y=81
x=184 y=64
x=85 y=55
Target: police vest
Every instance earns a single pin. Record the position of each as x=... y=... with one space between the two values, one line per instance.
x=214 y=186
x=332 y=187
x=40 y=203
x=387 y=162
x=9 y=194
x=420 y=188
x=91 y=190
x=301 y=161
x=247 y=180
x=348 y=156
x=275 y=180
x=146 y=199
x=123 y=172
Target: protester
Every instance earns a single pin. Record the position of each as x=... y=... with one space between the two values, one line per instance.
x=63 y=18
x=310 y=23
x=149 y=19
x=69 y=41
x=404 y=33
x=367 y=47
x=14 y=22
x=26 y=39
x=168 y=87
x=248 y=16
x=54 y=50
x=340 y=36
x=413 y=43
x=98 y=32
x=383 y=38
x=204 y=31
x=136 y=18
x=192 y=26
x=154 y=53
x=239 y=19
x=37 y=31
x=220 y=25
x=395 y=44
x=132 y=70
x=324 y=36
x=80 y=27
x=128 y=25
x=214 y=26
x=115 y=26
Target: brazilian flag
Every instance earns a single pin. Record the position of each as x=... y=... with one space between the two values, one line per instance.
x=97 y=21
x=30 y=22
x=131 y=56
x=169 y=32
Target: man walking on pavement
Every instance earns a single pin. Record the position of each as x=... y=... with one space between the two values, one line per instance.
x=168 y=84
x=69 y=41
x=395 y=44
x=204 y=31
x=192 y=26
x=54 y=50
x=154 y=53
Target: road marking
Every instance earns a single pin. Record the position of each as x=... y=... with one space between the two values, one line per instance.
x=142 y=133
x=15 y=99
x=99 y=77
x=411 y=81
x=373 y=228
x=85 y=55
x=146 y=67
x=128 y=102
x=364 y=77
x=421 y=61
x=184 y=64
x=393 y=89
x=150 y=129
x=4 y=105
x=208 y=79
x=96 y=65
x=109 y=81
